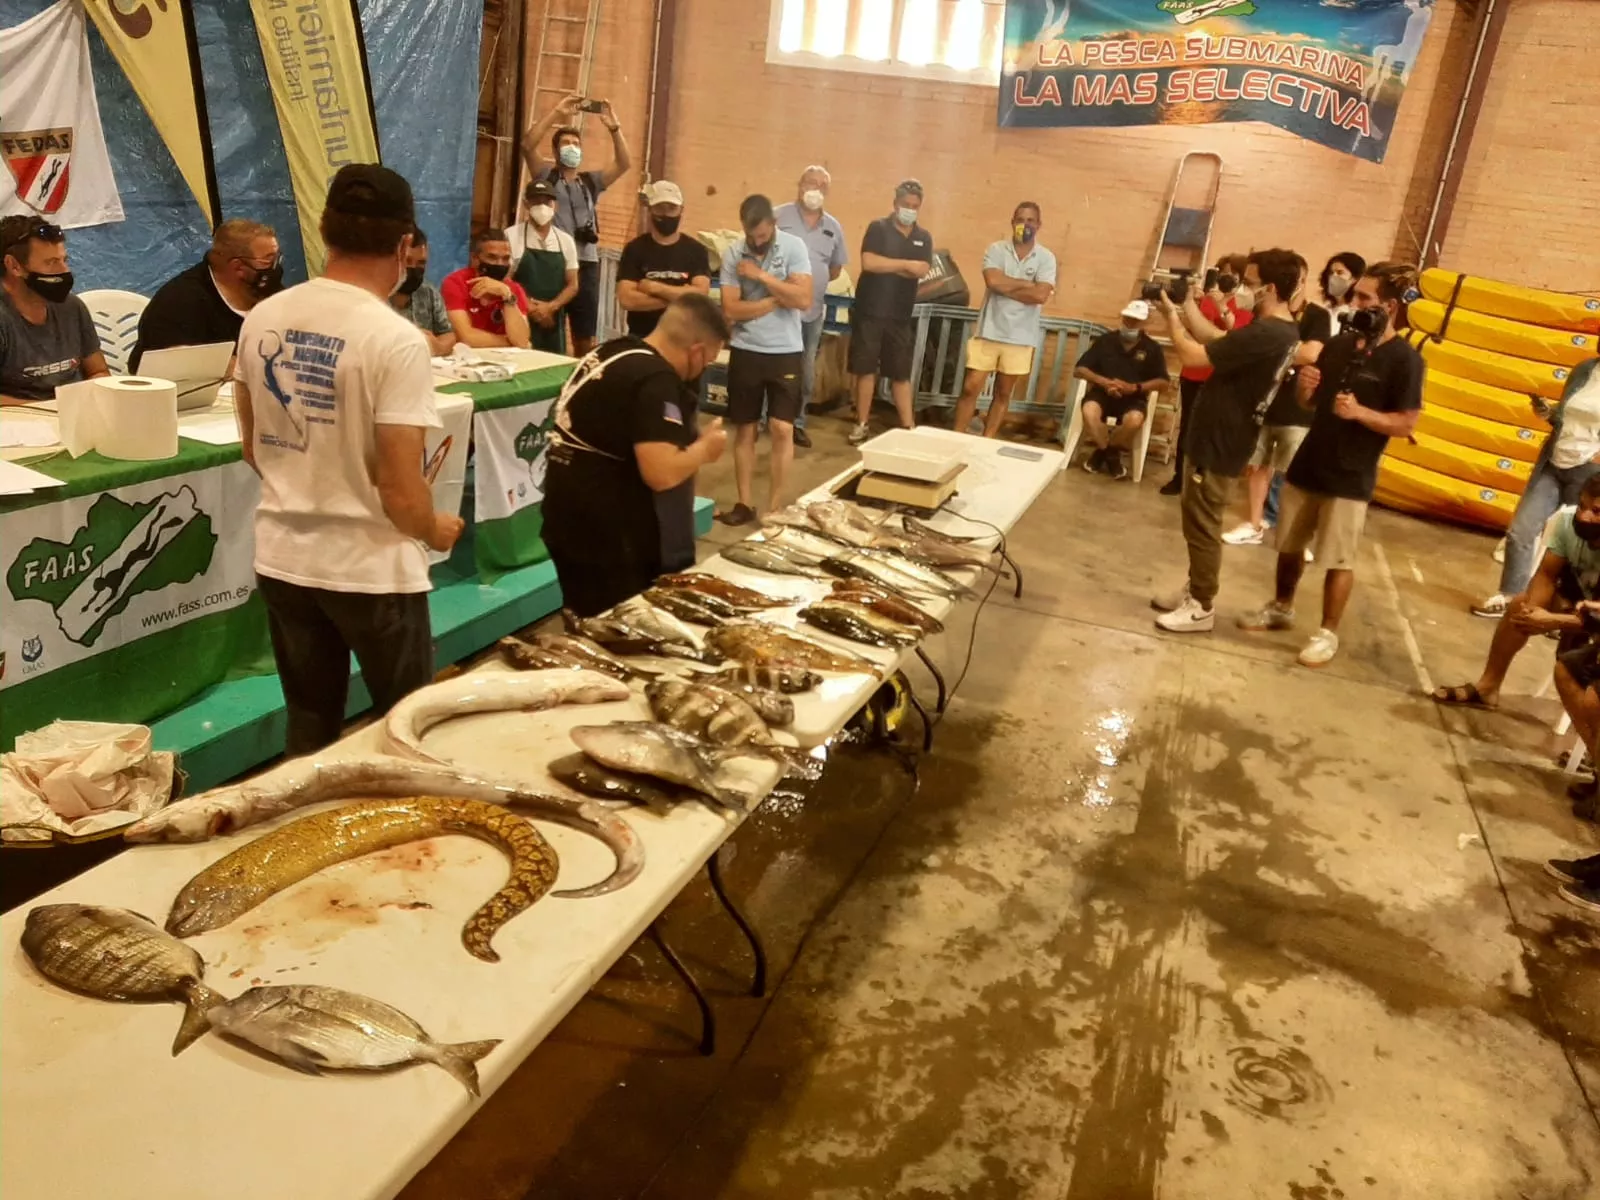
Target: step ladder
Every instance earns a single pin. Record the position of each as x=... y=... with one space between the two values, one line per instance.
x=1183 y=247
x=565 y=56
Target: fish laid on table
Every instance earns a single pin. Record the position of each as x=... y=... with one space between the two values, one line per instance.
x=498 y=691
x=809 y=543
x=707 y=711
x=623 y=638
x=114 y=954
x=895 y=572
x=786 y=680
x=584 y=774
x=232 y=886
x=759 y=556
x=947 y=554
x=648 y=748
x=766 y=645
x=593 y=655
x=739 y=598
x=315 y=1029
x=885 y=603
x=844 y=521
x=771 y=706
x=695 y=607
x=925 y=532
x=649 y=620
x=525 y=656
x=858 y=624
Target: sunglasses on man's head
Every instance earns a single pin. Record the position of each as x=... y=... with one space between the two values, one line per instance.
x=42 y=230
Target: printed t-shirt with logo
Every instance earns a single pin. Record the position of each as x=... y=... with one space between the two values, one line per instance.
x=34 y=359
x=325 y=363
x=484 y=315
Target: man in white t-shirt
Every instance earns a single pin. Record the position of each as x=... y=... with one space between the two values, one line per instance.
x=334 y=394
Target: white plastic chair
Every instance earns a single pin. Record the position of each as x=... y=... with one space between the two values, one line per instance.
x=116 y=319
x=1141 y=447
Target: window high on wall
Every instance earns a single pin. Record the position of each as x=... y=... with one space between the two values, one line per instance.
x=957 y=41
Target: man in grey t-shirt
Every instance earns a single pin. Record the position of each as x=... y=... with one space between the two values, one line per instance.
x=47 y=337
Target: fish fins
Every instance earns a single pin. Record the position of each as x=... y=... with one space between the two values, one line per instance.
x=461 y=1060
x=198 y=1000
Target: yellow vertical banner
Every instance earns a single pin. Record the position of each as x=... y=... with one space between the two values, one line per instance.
x=154 y=43
x=316 y=65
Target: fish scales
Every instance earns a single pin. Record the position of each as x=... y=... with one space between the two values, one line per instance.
x=724 y=590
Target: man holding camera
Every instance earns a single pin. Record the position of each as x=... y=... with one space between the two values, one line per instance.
x=1247 y=365
x=1365 y=388
x=1226 y=309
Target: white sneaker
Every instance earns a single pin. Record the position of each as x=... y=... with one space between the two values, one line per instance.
x=1310 y=557
x=1495 y=606
x=1171 y=601
x=1189 y=617
x=1271 y=617
x=857 y=434
x=1246 y=535
x=1319 y=651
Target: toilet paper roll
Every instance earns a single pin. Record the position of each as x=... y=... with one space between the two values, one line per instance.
x=138 y=417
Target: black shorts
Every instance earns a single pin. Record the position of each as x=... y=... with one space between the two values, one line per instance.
x=756 y=379
x=583 y=310
x=1114 y=408
x=881 y=346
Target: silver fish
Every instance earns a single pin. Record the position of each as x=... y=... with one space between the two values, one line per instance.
x=653 y=622
x=499 y=691
x=582 y=773
x=761 y=557
x=647 y=748
x=114 y=954
x=807 y=542
x=930 y=578
x=844 y=521
x=895 y=572
x=590 y=653
x=315 y=1029
x=925 y=532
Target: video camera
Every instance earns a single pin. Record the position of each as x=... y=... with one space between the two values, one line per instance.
x=1173 y=283
x=1367 y=324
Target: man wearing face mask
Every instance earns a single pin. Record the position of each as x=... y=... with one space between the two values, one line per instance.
x=1222 y=309
x=334 y=397
x=207 y=302
x=623 y=437
x=661 y=264
x=896 y=255
x=545 y=264
x=47 y=337
x=420 y=302
x=577 y=197
x=486 y=308
x=1122 y=368
x=806 y=218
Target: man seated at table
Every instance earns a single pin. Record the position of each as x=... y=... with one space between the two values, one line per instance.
x=206 y=303
x=1122 y=368
x=47 y=337
x=487 y=309
x=420 y=302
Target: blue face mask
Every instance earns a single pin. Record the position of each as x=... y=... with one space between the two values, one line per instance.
x=906 y=216
x=1129 y=336
x=571 y=155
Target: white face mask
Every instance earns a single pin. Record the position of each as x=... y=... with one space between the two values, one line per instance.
x=906 y=216
x=542 y=214
x=1338 y=285
x=1244 y=297
x=812 y=198
x=571 y=155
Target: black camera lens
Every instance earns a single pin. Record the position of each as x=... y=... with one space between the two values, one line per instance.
x=1367 y=322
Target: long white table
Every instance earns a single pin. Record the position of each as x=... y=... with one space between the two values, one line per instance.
x=94 y=1104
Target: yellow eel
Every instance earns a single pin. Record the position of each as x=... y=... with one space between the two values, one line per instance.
x=232 y=886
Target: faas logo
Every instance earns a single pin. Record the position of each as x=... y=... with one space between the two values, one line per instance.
x=1187 y=12
x=529 y=445
x=121 y=552
x=40 y=161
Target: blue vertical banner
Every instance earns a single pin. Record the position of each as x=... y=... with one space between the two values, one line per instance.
x=1331 y=71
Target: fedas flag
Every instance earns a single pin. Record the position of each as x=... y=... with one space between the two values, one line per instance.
x=317 y=69
x=56 y=162
x=509 y=484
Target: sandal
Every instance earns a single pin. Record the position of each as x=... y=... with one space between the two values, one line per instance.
x=1465 y=694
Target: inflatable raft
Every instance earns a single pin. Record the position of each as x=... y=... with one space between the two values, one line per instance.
x=1558 y=310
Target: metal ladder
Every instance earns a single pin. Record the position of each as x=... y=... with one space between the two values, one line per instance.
x=560 y=70
x=1184 y=247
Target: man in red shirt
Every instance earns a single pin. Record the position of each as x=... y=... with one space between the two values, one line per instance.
x=486 y=308
x=1226 y=311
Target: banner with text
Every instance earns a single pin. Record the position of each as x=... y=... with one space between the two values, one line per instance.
x=318 y=73
x=155 y=45
x=1332 y=71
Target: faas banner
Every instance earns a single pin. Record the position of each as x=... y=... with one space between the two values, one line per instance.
x=1331 y=71
x=56 y=162
x=154 y=42
x=317 y=69
x=444 y=456
x=509 y=485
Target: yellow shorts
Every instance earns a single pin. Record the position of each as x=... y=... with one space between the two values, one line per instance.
x=1328 y=525
x=984 y=355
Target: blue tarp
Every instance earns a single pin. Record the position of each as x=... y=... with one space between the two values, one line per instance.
x=423 y=56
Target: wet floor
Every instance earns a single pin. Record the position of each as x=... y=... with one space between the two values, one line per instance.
x=1156 y=918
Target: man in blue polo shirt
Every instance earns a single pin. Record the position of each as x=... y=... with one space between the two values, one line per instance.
x=766 y=290
x=824 y=238
x=1020 y=276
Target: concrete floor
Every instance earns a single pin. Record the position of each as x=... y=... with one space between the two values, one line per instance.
x=1165 y=918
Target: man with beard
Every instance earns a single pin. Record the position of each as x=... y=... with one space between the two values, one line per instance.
x=487 y=309
x=207 y=303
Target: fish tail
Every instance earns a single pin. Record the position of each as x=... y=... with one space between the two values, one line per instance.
x=461 y=1060
x=198 y=1000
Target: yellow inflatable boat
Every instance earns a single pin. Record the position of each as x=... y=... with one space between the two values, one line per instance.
x=1441 y=390
x=1557 y=346
x=1560 y=310
x=1517 y=443
x=1463 y=463
x=1486 y=366
x=1411 y=488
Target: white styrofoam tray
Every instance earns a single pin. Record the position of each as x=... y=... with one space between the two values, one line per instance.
x=912 y=454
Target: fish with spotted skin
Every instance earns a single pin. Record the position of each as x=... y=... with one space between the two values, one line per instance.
x=758 y=642
x=232 y=886
x=789 y=681
x=885 y=603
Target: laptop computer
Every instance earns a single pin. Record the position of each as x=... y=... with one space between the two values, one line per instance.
x=197 y=370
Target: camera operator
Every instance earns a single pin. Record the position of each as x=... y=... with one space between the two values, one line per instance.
x=1248 y=365
x=1365 y=388
x=577 y=198
x=1218 y=311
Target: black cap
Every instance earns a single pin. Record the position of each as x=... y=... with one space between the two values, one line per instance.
x=368 y=190
x=540 y=189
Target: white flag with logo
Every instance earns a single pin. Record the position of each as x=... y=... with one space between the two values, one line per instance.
x=57 y=167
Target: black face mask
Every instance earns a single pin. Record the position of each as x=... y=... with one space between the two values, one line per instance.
x=268 y=280
x=666 y=226
x=413 y=280
x=1589 y=531
x=494 y=270
x=54 y=288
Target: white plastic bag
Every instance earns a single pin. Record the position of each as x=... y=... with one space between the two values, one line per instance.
x=80 y=778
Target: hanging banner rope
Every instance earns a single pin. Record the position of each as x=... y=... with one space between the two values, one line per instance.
x=317 y=67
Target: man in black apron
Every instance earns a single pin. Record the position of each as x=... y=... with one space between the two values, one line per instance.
x=546 y=265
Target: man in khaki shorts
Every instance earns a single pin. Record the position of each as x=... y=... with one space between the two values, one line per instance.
x=1365 y=388
x=1020 y=276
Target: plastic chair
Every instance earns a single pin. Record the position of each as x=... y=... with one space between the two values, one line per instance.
x=116 y=320
x=1141 y=447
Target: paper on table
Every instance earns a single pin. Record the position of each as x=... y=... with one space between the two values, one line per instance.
x=29 y=431
x=19 y=481
x=216 y=431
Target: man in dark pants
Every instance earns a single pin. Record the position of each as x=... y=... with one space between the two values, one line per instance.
x=334 y=393
x=618 y=443
x=896 y=254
